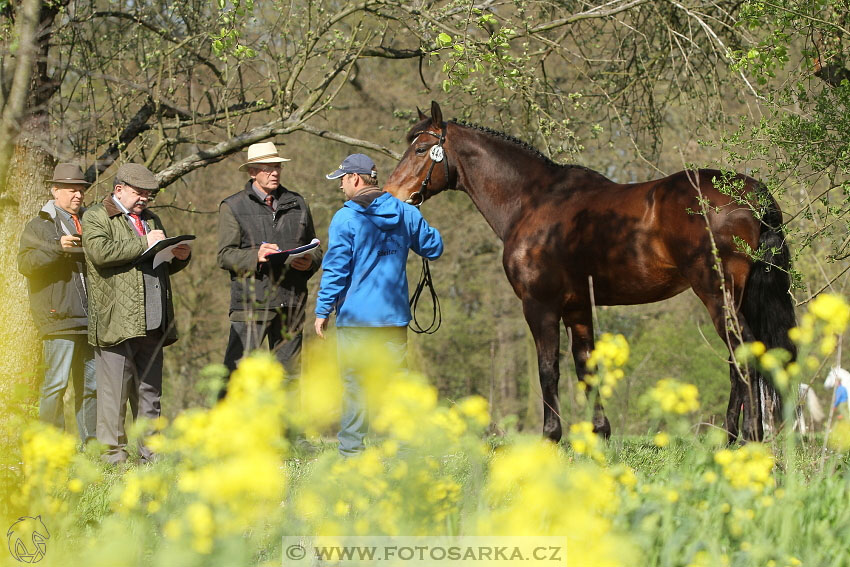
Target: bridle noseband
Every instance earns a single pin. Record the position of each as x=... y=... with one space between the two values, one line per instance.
x=436 y=153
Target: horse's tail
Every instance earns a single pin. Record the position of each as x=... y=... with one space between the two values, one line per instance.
x=813 y=405
x=767 y=305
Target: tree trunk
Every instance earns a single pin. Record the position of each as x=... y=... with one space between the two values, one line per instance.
x=13 y=107
x=20 y=347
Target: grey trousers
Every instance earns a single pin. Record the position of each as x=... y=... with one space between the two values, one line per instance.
x=129 y=371
x=351 y=343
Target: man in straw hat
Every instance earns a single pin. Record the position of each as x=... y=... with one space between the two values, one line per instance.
x=267 y=297
x=51 y=257
x=131 y=316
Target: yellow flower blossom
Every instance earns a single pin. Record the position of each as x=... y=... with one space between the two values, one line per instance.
x=670 y=396
x=749 y=467
x=610 y=354
x=584 y=441
x=475 y=408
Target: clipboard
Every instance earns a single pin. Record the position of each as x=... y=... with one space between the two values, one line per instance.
x=286 y=256
x=161 y=251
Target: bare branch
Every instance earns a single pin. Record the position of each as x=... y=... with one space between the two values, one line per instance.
x=322 y=133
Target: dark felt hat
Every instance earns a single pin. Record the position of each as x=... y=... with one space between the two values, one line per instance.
x=138 y=176
x=69 y=173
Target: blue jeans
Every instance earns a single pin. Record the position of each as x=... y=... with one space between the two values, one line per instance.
x=69 y=357
x=392 y=341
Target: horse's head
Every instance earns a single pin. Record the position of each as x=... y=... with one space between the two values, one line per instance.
x=424 y=168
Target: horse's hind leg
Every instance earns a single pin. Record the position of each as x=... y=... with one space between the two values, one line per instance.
x=736 y=399
x=581 y=325
x=544 y=323
x=741 y=392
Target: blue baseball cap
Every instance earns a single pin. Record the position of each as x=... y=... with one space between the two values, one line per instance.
x=355 y=163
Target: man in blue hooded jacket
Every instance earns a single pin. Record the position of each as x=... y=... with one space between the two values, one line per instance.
x=364 y=280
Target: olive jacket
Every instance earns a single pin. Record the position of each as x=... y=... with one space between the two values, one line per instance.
x=116 y=283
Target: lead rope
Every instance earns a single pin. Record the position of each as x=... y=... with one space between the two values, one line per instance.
x=436 y=314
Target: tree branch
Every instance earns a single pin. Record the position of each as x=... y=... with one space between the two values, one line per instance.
x=220 y=151
x=350 y=141
x=162 y=33
x=136 y=126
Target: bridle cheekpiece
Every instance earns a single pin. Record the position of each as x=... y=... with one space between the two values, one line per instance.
x=437 y=154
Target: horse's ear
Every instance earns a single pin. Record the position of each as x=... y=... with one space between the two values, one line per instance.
x=436 y=114
x=421 y=114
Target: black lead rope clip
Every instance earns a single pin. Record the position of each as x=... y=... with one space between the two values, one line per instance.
x=436 y=313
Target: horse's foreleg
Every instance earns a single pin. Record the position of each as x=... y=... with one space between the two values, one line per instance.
x=581 y=326
x=544 y=324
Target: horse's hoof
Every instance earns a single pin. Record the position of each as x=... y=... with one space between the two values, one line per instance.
x=553 y=435
x=602 y=427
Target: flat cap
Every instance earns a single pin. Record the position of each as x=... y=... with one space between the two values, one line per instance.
x=138 y=176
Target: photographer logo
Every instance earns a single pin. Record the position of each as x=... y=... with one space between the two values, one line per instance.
x=27 y=539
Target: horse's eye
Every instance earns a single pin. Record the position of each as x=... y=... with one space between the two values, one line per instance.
x=421 y=150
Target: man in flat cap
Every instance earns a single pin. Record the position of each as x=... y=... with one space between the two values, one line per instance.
x=267 y=297
x=364 y=280
x=51 y=257
x=131 y=316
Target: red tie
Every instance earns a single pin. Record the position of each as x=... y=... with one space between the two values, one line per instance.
x=77 y=225
x=137 y=220
x=270 y=201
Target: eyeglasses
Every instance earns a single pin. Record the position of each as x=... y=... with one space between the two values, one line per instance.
x=268 y=168
x=144 y=193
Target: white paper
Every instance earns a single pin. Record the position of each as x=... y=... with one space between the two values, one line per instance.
x=311 y=252
x=165 y=255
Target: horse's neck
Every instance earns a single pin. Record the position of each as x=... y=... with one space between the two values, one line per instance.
x=500 y=193
x=497 y=207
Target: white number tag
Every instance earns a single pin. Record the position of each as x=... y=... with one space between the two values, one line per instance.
x=436 y=153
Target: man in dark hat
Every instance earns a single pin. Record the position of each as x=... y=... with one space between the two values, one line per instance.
x=267 y=297
x=51 y=257
x=131 y=316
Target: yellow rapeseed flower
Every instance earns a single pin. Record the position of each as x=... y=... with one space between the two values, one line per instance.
x=610 y=354
x=670 y=396
x=749 y=467
x=475 y=408
x=831 y=309
x=584 y=441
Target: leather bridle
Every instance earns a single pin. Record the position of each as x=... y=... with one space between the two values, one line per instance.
x=437 y=154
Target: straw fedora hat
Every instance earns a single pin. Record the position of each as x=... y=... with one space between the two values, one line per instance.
x=69 y=174
x=264 y=152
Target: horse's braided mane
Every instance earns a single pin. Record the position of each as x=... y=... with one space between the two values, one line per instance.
x=521 y=143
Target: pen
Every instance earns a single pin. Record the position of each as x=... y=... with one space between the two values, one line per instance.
x=277 y=248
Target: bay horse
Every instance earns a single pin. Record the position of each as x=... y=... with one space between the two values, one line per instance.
x=573 y=238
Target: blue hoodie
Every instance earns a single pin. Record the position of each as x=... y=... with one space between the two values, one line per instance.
x=365 y=267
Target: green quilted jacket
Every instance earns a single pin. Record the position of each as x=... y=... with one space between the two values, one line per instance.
x=116 y=285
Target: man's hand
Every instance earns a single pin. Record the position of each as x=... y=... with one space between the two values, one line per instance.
x=155 y=236
x=181 y=251
x=302 y=263
x=265 y=249
x=69 y=241
x=321 y=324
